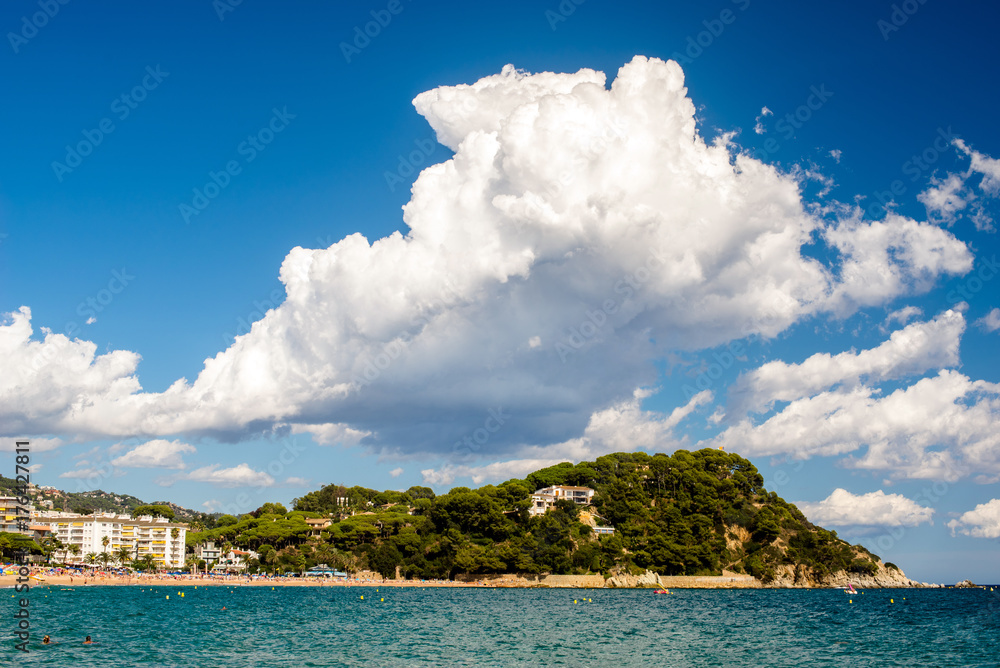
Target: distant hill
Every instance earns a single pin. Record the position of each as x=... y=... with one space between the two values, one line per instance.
x=94 y=501
x=689 y=513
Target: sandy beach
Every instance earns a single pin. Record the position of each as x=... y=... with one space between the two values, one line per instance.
x=113 y=579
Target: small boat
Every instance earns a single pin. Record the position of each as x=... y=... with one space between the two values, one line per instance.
x=849 y=589
x=661 y=591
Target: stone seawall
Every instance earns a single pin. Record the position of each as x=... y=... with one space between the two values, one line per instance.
x=537 y=580
x=734 y=581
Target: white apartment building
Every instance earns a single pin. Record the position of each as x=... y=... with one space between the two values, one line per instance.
x=8 y=515
x=208 y=552
x=142 y=536
x=546 y=497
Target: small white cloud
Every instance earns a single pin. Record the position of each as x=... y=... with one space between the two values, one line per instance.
x=836 y=154
x=331 y=433
x=157 y=453
x=991 y=321
x=718 y=416
x=34 y=444
x=982 y=522
x=81 y=473
x=396 y=472
x=91 y=320
x=296 y=482
x=842 y=508
x=903 y=315
x=758 y=125
x=534 y=341
x=237 y=476
x=985 y=165
x=945 y=198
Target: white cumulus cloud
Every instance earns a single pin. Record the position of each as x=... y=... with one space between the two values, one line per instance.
x=579 y=233
x=237 y=476
x=910 y=351
x=991 y=321
x=943 y=427
x=157 y=453
x=981 y=522
x=842 y=508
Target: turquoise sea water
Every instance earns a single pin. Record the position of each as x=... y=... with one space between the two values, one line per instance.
x=315 y=626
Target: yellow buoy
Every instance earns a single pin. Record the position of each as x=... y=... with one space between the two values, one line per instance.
x=182 y=594
x=850 y=600
x=383 y=599
x=168 y=597
x=362 y=597
x=891 y=601
x=574 y=601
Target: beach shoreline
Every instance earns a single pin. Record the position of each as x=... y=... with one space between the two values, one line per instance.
x=505 y=582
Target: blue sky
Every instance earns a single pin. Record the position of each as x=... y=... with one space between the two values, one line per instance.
x=318 y=128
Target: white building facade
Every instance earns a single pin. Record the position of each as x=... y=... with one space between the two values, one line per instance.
x=154 y=536
x=546 y=497
x=9 y=509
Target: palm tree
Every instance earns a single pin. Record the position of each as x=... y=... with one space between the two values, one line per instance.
x=75 y=550
x=91 y=558
x=123 y=555
x=104 y=558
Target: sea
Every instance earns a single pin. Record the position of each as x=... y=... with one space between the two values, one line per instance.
x=412 y=626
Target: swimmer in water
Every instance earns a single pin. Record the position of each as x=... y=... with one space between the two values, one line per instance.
x=88 y=641
x=46 y=640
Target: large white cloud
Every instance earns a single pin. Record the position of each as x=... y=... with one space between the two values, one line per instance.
x=981 y=522
x=842 y=508
x=910 y=351
x=577 y=235
x=47 y=384
x=943 y=427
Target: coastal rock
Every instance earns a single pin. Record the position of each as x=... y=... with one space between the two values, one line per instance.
x=966 y=584
x=629 y=581
x=884 y=577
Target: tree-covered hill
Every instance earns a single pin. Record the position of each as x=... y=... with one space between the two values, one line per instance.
x=92 y=501
x=690 y=513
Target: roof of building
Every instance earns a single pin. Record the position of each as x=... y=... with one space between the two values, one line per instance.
x=565 y=488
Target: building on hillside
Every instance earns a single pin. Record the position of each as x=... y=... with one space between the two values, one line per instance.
x=317 y=524
x=604 y=531
x=235 y=560
x=546 y=497
x=146 y=535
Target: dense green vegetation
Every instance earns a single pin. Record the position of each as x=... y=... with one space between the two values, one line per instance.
x=688 y=513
